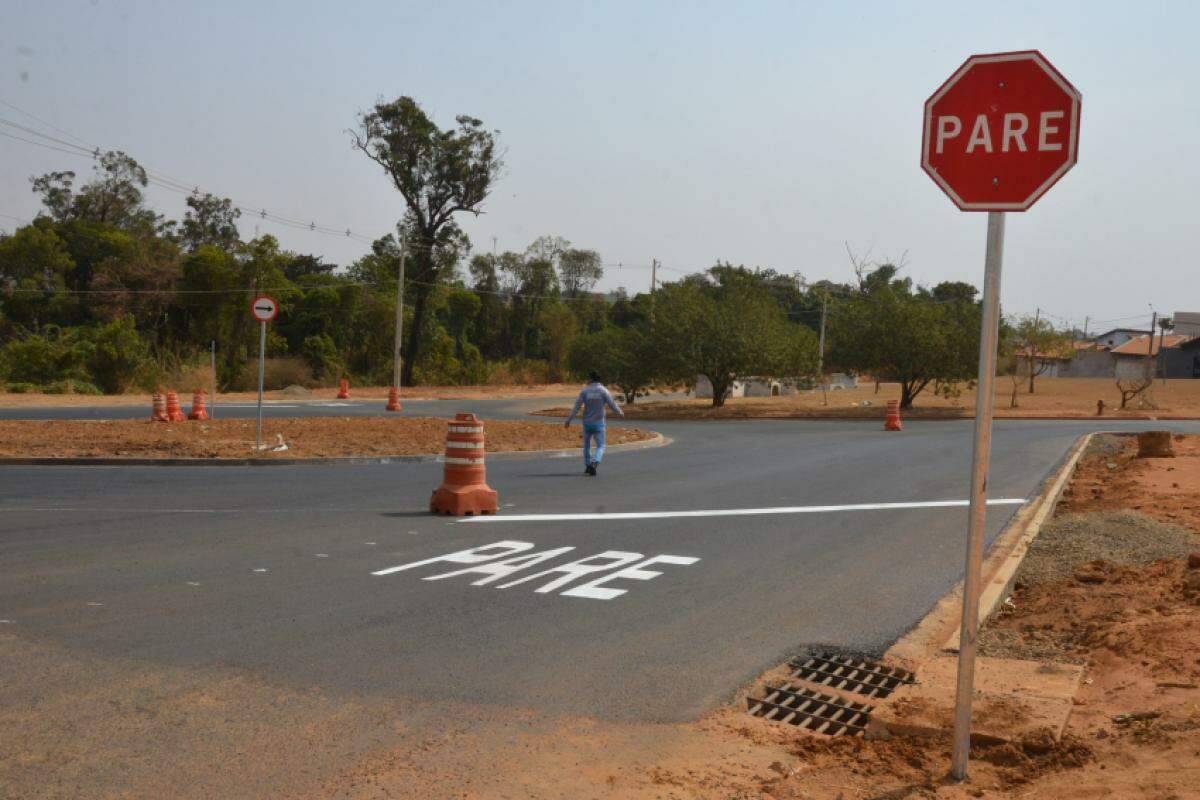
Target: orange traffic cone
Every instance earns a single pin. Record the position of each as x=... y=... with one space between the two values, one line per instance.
x=393 y=403
x=174 y=412
x=344 y=390
x=464 y=490
x=198 y=409
x=158 y=412
x=892 y=423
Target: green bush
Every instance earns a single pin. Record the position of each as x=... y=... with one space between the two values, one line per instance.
x=322 y=356
x=118 y=355
x=72 y=387
x=23 y=388
x=47 y=357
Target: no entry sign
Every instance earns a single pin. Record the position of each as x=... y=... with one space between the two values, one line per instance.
x=1001 y=131
x=264 y=308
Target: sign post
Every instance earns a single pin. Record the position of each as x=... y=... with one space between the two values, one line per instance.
x=264 y=310
x=998 y=134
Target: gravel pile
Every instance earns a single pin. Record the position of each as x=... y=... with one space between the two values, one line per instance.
x=1107 y=444
x=1122 y=537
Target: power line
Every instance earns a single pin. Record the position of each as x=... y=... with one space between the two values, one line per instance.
x=161 y=179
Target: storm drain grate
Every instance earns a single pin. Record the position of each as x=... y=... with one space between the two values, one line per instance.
x=868 y=678
x=812 y=710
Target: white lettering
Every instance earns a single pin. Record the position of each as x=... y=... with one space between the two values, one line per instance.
x=472 y=556
x=495 y=570
x=1013 y=132
x=594 y=591
x=576 y=569
x=980 y=135
x=1047 y=129
x=948 y=128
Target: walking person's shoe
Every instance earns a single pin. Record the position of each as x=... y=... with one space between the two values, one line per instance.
x=595 y=466
x=590 y=469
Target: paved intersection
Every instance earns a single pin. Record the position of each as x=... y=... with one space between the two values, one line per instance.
x=275 y=571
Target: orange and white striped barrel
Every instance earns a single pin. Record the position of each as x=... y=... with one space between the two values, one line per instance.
x=174 y=411
x=343 y=389
x=464 y=490
x=892 y=423
x=198 y=410
x=158 y=412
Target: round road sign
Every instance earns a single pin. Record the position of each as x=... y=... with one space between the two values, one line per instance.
x=264 y=308
x=1001 y=131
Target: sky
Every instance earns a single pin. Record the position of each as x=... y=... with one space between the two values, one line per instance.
x=769 y=134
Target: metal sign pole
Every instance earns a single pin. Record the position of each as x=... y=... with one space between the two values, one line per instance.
x=212 y=400
x=981 y=452
x=262 y=349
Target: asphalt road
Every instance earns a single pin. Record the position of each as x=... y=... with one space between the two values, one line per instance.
x=271 y=570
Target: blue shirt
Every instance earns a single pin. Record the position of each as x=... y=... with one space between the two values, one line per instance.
x=592 y=399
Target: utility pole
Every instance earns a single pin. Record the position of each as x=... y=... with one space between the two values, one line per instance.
x=821 y=350
x=653 y=281
x=399 y=315
x=1150 y=348
x=1086 y=320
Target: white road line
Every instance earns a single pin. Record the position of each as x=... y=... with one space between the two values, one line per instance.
x=737 y=512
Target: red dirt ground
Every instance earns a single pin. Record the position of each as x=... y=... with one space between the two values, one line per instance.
x=306 y=437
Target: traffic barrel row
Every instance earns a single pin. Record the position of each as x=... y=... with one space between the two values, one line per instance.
x=166 y=408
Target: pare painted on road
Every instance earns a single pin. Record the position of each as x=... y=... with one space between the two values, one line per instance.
x=491 y=563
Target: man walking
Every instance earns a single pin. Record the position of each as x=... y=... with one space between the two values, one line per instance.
x=594 y=399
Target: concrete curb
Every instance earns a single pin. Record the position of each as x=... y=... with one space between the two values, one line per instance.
x=939 y=629
x=1035 y=696
x=657 y=440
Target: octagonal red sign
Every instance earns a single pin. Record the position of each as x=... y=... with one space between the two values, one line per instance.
x=1001 y=131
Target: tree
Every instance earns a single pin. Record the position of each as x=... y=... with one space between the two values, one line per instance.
x=558 y=324
x=438 y=173
x=727 y=334
x=1041 y=343
x=209 y=220
x=912 y=337
x=490 y=321
x=624 y=358
x=579 y=270
x=113 y=197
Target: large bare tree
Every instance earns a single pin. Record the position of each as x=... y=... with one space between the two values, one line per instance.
x=439 y=173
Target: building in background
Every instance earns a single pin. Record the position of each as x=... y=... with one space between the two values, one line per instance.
x=1131 y=357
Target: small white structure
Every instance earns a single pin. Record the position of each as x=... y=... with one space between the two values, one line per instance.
x=769 y=387
x=842 y=380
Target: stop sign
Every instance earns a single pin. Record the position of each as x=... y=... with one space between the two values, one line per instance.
x=1001 y=131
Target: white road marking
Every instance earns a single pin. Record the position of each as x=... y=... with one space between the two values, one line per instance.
x=513 y=557
x=192 y=583
x=368 y=542
x=737 y=512
x=261 y=569
x=322 y=555
x=95 y=604
x=6 y=622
